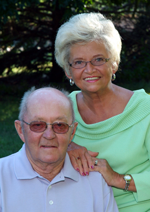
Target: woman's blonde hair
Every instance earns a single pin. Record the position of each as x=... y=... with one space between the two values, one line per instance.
x=84 y=28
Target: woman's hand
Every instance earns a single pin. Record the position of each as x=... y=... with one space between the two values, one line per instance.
x=84 y=161
x=81 y=158
x=103 y=167
x=111 y=177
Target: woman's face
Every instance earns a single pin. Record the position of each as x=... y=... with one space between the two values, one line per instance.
x=91 y=78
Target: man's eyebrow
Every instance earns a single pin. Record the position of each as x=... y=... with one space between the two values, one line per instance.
x=56 y=118
x=61 y=118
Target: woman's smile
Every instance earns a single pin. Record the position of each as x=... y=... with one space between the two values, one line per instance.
x=92 y=79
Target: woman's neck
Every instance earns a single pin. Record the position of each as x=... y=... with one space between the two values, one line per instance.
x=96 y=107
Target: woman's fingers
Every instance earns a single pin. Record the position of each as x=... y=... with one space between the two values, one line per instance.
x=84 y=168
x=90 y=161
x=83 y=162
x=81 y=158
x=74 y=162
x=93 y=154
x=80 y=166
x=79 y=163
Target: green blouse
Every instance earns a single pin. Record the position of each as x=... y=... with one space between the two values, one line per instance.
x=124 y=141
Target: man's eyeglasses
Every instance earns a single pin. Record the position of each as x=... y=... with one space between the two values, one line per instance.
x=98 y=61
x=41 y=126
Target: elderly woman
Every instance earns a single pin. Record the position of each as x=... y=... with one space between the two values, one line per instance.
x=113 y=121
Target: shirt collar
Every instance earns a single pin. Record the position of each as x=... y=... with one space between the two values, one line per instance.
x=69 y=171
x=22 y=166
x=24 y=170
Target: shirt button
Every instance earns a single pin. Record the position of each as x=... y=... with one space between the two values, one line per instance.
x=51 y=202
x=50 y=187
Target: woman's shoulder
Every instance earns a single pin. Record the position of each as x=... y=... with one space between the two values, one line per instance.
x=73 y=97
x=132 y=97
x=139 y=97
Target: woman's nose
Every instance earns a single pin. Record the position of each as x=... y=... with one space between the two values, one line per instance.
x=89 y=67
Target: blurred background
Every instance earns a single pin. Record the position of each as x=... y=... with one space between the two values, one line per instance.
x=27 y=34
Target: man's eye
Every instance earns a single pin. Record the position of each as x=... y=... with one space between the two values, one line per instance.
x=37 y=125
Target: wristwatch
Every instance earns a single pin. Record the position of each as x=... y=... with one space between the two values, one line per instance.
x=128 y=179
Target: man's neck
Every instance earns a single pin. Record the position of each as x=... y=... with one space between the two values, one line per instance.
x=48 y=172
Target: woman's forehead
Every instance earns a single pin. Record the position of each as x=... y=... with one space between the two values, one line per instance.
x=91 y=49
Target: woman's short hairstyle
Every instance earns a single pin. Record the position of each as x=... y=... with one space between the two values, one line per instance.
x=84 y=28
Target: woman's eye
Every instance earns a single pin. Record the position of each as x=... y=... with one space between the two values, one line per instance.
x=98 y=59
x=78 y=62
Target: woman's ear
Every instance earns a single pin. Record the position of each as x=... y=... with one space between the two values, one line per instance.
x=68 y=76
x=19 y=130
x=115 y=67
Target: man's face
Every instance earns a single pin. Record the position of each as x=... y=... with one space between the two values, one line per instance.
x=47 y=147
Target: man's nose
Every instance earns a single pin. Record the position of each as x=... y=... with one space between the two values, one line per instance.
x=49 y=133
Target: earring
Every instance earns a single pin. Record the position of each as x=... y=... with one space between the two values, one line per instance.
x=71 y=82
x=113 y=77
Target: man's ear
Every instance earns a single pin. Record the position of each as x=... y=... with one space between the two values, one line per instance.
x=73 y=131
x=19 y=130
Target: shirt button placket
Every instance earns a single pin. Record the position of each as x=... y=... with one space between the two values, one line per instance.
x=51 y=202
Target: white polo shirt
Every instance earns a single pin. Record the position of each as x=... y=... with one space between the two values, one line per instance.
x=24 y=190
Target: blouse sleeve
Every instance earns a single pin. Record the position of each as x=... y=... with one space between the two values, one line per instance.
x=142 y=180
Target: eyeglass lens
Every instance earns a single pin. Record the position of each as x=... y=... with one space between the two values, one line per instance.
x=95 y=61
x=58 y=127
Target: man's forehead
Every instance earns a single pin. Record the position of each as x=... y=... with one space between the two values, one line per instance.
x=47 y=94
x=48 y=99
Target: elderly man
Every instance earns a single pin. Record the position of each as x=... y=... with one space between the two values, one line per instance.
x=40 y=177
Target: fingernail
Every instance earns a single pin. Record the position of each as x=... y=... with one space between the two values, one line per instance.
x=83 y=174
x=87 y=173
x=77 y=169
x=92 y=167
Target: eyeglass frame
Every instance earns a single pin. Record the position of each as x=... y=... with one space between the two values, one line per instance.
x=47 y=126
x=105 y=61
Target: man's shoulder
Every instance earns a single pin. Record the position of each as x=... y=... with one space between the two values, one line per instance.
x=96 y=176
x=98 y=184
x=7 y=160
x=94 y=179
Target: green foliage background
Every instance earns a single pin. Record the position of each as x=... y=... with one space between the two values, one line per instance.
x=28 y=29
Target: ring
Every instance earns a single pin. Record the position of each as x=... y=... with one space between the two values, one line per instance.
x=96 y=162
x=77 y=158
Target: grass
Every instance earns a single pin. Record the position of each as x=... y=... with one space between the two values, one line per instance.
x=9 y=139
